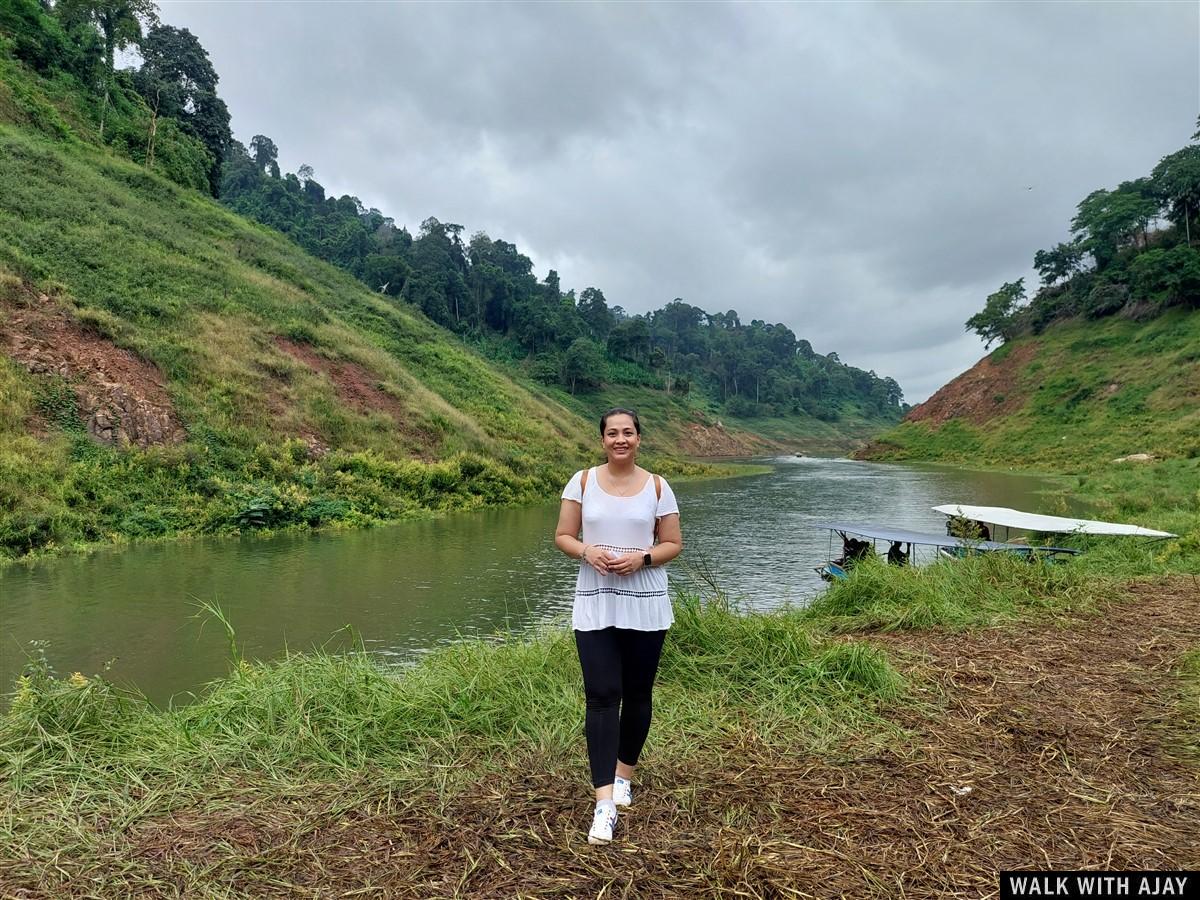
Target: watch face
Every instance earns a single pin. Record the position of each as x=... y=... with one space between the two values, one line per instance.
x=648 y=560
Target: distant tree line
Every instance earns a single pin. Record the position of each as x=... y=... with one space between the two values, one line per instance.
x=485 y=289
x=1132 y=251
x=166 y=114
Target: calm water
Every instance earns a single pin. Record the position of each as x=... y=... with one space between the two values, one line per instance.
x=409 y=587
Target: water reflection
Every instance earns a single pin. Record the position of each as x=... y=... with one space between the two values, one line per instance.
x=408 y=587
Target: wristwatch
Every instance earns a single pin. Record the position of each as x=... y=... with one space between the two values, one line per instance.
x=647 y=560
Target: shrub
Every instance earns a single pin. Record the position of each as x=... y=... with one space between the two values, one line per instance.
x=1168 y=276
x=1105 y=299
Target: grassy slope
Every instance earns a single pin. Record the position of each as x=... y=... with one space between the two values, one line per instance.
x=1093 y=391
x=1086 y=394
x=203 y=294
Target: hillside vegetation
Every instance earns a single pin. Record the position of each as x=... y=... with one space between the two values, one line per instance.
x=1079 y=395
x=167 y=366
x=485 y=290
x=1102 y=364
x=1118 y=260
x=289 y=393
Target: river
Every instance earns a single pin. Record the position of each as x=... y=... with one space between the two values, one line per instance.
x=409 y=587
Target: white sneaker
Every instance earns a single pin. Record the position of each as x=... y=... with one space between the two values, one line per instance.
x=603 y=822
x=622 y=791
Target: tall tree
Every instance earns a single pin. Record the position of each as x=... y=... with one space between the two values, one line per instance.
x=1177 y=180
x=120 y=23
x=596 y=315
x=583 y=365
x=1061 y=261
x=264 y=152
x=996 y=322
x=1107 y=220
x=178 y=80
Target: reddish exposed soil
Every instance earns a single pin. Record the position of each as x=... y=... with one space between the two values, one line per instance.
x=356 y=386
x=715 y=441
x=122 y=398
x=984 y=392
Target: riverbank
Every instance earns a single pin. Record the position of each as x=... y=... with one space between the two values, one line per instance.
x=821 y=751
x=376 y=494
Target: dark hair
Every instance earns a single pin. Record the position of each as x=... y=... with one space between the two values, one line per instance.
x=621 y=411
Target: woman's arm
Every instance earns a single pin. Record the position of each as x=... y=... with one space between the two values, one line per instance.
x=566 y=537
x=669 y=546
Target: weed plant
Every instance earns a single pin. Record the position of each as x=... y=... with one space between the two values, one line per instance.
x=955 y=594
x=78 y=757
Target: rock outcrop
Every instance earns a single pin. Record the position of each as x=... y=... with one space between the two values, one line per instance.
x=121 y=398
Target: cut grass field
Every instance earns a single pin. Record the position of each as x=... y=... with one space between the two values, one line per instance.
x=807 y=752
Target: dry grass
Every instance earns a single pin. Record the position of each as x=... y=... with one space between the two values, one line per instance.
x=1053 y=744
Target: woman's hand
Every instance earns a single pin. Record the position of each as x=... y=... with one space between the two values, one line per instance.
x=627 y=563
x=597 y=558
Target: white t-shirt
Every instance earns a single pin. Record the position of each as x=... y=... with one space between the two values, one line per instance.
x=620 y=525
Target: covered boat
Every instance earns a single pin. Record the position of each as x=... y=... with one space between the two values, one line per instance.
x=1015 y=520
x=900 y=538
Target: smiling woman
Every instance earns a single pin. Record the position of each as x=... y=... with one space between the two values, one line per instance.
x=622 y=532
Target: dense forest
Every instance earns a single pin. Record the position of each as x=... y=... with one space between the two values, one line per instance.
x=166 y=114
x=1131 y=253
x=485 y=289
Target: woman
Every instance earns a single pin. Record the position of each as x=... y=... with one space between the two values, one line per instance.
x=622 y=611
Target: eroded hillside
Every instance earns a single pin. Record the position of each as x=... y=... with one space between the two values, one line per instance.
x=166 y=366
x=1082 y=393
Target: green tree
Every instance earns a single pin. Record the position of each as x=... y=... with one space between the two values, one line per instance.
x=1058 y=263
x=583 y=365
x=630 y=339
x=120 y=23
x=596 y=316
x=48 y=44
x=178 y=80
x=264 y=152
x=1177 y=180
x=1108 y=220
x=996 y=322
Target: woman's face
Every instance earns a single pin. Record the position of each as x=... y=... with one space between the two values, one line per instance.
x=621 y=439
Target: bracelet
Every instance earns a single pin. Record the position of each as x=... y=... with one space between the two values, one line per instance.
x=583 y=553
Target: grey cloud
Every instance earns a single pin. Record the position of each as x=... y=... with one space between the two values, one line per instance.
x=856 y=171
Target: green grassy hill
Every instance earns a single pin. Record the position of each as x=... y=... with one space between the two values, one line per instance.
x=299 y=395
x=168 y=367
x=1079 y=399
x=1078 y=396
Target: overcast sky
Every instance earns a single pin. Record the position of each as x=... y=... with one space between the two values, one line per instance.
x=860 y=172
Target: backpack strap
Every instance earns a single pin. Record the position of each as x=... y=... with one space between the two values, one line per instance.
x=658 y=494
x=583 y=483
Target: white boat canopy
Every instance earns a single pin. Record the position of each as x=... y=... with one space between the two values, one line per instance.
x=1013 y=518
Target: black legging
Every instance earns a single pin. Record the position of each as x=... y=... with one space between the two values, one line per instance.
x=619 y=665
